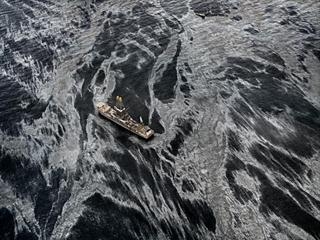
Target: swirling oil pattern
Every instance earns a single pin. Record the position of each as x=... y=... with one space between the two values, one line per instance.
x=231 y=88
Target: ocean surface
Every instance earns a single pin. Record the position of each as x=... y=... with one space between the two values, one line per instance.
x=231 y=88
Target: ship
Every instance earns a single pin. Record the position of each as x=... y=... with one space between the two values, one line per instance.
x=119 y=115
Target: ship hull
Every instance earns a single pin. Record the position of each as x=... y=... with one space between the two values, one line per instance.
x=131 y=125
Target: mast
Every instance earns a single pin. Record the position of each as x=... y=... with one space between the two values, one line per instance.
x=120 y=109
x=119 y=103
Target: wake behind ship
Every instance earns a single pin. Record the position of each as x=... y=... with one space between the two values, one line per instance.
x=120 y=116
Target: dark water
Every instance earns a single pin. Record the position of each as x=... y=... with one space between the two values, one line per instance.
x=231 y=88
